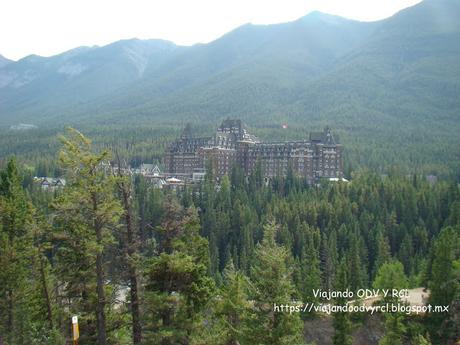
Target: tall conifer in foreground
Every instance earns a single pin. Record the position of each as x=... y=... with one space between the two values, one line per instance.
x=26 y=305
x=15 y=241
x=131 y=254
x=178 y=287
x=391 y=276
x=445 y=281
x=234 y=307
x=86 y=214
x=272 y=280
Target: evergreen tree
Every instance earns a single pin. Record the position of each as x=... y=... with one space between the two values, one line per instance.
x=273 y=286
x=357 y=273
x=394 y=329
x=178 y=287
x=28 y=310
x=310 y=272
x=420 y=340
x=391 y=276
x=383 y=253
x=130 y=244
x=15 y=242
x=342 y=323
x=327 y=268
x=444 y=283
x=86 y=213
x=406 y=253
x=234 y=307
x=44 y=294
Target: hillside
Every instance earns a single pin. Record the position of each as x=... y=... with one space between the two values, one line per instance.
x=4 y=61
x=62 y=82
x=392 y=85
x=252 y=71
x=150 y=75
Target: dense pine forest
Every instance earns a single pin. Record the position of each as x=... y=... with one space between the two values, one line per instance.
x=207 y=264
x=388 y=88
x=424 y=151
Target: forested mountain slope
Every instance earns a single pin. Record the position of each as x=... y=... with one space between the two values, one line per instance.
x=38 y=89
x=389 y=88
x=317 y=66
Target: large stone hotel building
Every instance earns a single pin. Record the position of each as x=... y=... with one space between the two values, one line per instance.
x=318 y=157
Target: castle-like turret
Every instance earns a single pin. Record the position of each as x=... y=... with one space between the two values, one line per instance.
x=319 y=156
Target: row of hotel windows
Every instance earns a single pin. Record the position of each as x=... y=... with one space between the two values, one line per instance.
x=328 y=173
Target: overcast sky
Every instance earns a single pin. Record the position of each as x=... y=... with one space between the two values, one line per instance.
x=48 y=27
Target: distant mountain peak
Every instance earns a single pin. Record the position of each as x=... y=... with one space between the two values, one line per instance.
x=33 y=57
x=4 y=61
x=138 y=41
x=318 y=14
x=324 y=17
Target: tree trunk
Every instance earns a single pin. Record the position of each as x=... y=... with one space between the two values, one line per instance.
x=46 y=294
x=100 y=314
x=10 y=317
x=130 y=250
x=100 y=304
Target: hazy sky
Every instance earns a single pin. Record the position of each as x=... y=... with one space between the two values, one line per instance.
x=48 y=27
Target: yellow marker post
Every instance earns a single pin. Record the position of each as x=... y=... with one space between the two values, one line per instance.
x=75 y=331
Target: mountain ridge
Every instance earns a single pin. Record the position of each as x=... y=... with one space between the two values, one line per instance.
x=254 y=72
x=4 y=61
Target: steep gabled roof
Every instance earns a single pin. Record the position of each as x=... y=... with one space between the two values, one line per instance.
x=316 y=136
x=187 y=132
x=326 y=137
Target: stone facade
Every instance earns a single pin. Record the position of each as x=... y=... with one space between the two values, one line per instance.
x=318 y=157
